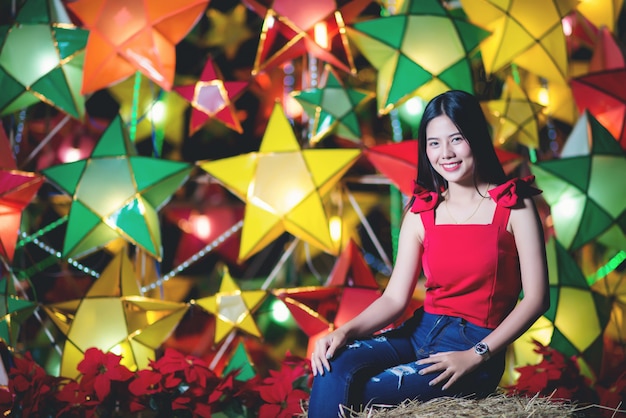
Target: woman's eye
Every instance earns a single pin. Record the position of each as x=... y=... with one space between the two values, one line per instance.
x=433 y=143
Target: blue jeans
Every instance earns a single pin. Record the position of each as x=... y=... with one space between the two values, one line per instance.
x=383 y=369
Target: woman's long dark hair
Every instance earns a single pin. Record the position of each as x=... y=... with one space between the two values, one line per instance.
x=465 y=112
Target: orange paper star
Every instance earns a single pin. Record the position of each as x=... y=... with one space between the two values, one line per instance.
x=129 y=36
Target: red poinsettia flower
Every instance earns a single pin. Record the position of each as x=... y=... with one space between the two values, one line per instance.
x=555 y=375
x=146 y=382
x=287 y=408
x=32 y=389
x=99 y=369
x=613 y=396
x=278 y=392
x=194 y=369
x=77 y=402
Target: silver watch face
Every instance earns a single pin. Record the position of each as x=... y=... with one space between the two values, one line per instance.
x=481 y=348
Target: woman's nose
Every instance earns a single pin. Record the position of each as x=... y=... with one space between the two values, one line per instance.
x=448 y=152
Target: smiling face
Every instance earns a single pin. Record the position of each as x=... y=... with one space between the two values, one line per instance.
x=448 y=151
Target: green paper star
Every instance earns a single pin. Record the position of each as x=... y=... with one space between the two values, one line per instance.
x=422 y=51
x=575 y=322
x=586 y=190
x=14 y=310
x=41 y=59
x=116 y=194
x=333 y=108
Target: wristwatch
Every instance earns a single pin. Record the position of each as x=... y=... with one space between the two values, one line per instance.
x=482 y=349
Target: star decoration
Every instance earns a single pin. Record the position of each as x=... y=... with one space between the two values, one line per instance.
x=292 y=29
x=41 y=59
x=407 y=66
x=333 y=108
x=240 y=361
x=282 y=186
x=514 y=116
x=607 y=53
x=596 y=93
x=575 y=322
x=350 y=288
x=396 y=161
x=126 y=322
x=227 y=30
x=125 y=37
x=580 y=32
x=212 y=97
x=586 y=201
x=116 y=194
x=14 y=310
x=17 y=190
x=346 y=212
x=601 y=12
x=160 y=114
x=520 y=35
x=232 y=308
x=555 y=97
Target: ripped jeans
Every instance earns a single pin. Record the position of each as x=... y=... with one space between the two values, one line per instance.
x=383 y=369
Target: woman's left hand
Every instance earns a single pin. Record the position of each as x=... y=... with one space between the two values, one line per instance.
x=452 y=365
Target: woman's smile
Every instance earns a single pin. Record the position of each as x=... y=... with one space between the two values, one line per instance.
x=449 y=167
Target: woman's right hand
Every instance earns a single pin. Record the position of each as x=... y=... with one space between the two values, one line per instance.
x=325 y=349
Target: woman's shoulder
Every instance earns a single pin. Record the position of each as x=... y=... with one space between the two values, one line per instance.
x=511 y=193
x=423 y=199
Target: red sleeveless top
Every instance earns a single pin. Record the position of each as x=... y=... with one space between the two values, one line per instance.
x=472 y=271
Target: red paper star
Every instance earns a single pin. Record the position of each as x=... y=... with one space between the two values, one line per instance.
x=294 y=28
x=129 y=36
x=17 y=189
x=211 y=97
x=351 y=288
x=397 y=162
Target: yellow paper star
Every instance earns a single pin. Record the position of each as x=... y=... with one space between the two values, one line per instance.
x=282 y=186
x=114 y=317
x=601 y=12
x=228 y=30
x=514 y=117
x=233 y=308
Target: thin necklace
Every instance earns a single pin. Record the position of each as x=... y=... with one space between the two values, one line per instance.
x=473 y=213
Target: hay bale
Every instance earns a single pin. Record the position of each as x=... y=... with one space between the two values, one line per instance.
x=495 y=406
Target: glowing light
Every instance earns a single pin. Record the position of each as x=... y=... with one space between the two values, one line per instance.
x=280 y=312
x=335 y=226
x=414 y=106
x=201 y=225
x=157 y=112
x=411 y=110
x=293 y=109
x=71 y=154
x=566 y=208
x=566 y=22
x=321 y=34
x=543 y=98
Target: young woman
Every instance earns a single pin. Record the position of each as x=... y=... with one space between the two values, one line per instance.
x=479 y=241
